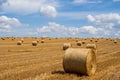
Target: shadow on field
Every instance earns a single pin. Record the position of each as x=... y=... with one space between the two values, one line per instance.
x=58 y=72
x=63 y=73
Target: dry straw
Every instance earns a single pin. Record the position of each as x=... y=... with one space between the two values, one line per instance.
x=19 y=43
x=96 y=41
x=42 y=41
x=3 y=38
x=37 y=41
x=92 y=46
x=115 y=41
x=66 y=46
x=77 y=40
x=79 y=43
x=13 y=39
x=34 y=43
x=22 y=40
x=80 y=61
x=106 y=39
x=83 y=42
x=91 y=40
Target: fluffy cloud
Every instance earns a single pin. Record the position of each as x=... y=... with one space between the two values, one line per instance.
x=79 y=1
x=6 y=23
x=118 y=33
x=90 y=29
x=86 y=1
x=91 y=18
x=61 y=30
x=30 y=6
x=49 y=11
x=108 y=23
x=58 y=30
x=104 y=18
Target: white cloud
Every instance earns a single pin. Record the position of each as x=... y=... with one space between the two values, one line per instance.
x=109 y=23
x=104 y=18
x=79 y=1
x=117 y=33
x=90 y=29
x=6 y=23
x=58 y=30
x=86 y=1
x=61 y=30
x=44 y=29
x=49 y=11
x=91 y=18
x=30 y=6
x=73 y=15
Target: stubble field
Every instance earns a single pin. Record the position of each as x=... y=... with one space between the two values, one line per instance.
x=44 y=61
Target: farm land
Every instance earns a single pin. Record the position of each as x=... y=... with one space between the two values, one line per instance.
x=44 y=61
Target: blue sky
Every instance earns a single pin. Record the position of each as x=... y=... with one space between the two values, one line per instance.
x=60 y=18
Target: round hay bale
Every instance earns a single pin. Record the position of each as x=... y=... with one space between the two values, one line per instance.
x=80 y=61
x=42 y=41
x=22 y=40
x=37 y=41
x=77 y=40
x=92 y=46
x=34 y=43
x=91 y=40
x=13 y=39
x=19 y=43
x=96 y=41
x=111 y=40
x=67 y=38
x=83 y=42
x=115 y=41
x=3 y=38
x=66 y=46
x=106 y=39
x=79 y=43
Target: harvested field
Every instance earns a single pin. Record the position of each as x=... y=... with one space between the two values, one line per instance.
x=44 y=62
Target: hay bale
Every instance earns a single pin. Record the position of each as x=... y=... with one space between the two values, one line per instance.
x=77 y=40
x=106 y=39
x=22 y=40
x=19 y=43
x=92 y=46
x=13 y=39
x=111 y=40
x=66 y=46
x=67 y=38
x=80 y=61
x=3 y=38
x=96 y=41
x=34 y=43
x=42 y=41
x=83 y=42
x=37 y=41
x=115 y=41
x=79 y=43
x=91 y=40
